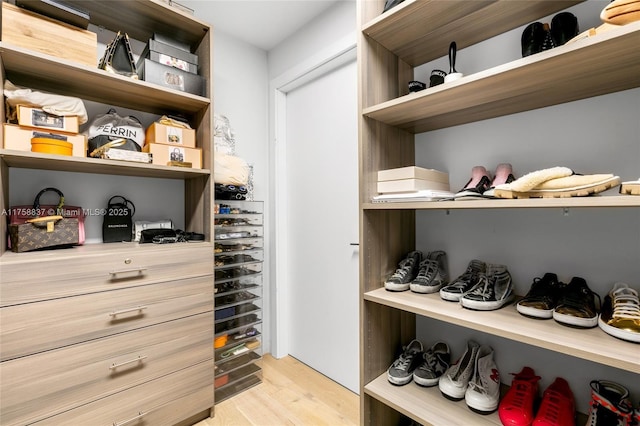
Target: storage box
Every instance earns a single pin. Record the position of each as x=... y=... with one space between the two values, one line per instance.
x=169 y=55
x=165 y=154
x=413 y=172
x=171 y=77
x=170 y=135
x=19 y=138
x=39 y=119
x=411 y=185
x=42 y=34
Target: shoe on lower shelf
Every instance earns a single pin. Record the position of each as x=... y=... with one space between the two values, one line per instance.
x=558 y=405
x=405 y=273
x=433 y=273
x=516 y=407
x=620 y=314
x=610 y=404
x=542 y=297
x=630 y=187
x=454 y=382
x=577 y=306
x=494 y=290
x=465 y=282
x=483 y=393
x=435 y=362
x=401 y=371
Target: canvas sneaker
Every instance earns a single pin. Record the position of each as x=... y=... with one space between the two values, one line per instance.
x=516 y=407
x=620 y=316
x=493 y=291
x=454 y=382
x=483 y=393
x=577 y=306
x=401 y=371
x=435 y=362
x=405 y=273
x=433 y=273
x=542 y=297
x=558 y=405
x=610 y=405
x=465 y=282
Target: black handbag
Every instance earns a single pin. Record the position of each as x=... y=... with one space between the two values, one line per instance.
x=117 y=225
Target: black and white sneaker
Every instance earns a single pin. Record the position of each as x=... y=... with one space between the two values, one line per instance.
x=406 y=272
x=577 y=305
x=435 y=362
x=494 y=290
x=542 y=297
x=433 y=273
x=401 y=371
x=465 y=282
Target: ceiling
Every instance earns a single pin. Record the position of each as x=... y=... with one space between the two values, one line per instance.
x=262 y=23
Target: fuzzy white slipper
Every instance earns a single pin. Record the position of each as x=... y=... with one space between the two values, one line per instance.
x=531 y=180
x=570 y=186
x=630 y=187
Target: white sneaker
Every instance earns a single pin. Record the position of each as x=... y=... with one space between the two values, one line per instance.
x=453 y=383
x=483 y=392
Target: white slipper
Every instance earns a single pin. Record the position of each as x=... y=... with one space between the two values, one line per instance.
x=531 y=180
x=630 y=187
x=570 y=186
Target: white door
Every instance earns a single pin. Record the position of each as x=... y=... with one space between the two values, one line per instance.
x=322 y=214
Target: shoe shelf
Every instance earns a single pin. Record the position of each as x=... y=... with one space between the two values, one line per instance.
x=427 y=25
x=589 y=344
x=563 y=74
x=231 y=364
x=235 y=388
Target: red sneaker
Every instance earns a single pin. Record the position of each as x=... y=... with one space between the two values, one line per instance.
x=558 y=405
x=516 y=407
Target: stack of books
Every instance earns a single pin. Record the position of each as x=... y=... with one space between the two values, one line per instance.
x=412 y=184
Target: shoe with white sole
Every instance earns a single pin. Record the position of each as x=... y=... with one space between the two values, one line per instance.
x=465 y=282
x=494 y=290
x=405 y=273
x=577 y=305
x=433 y=273
x=502 y=175
x=483 y=393
x=542 y=298
x=620 y=316
x=454 y=382
x=435 y=362
x=476 y=186
x=401 y=371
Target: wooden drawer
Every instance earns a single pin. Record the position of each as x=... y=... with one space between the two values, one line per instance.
x=41 y=385
x=32 y=277
x=164 y=401
x=36 y=327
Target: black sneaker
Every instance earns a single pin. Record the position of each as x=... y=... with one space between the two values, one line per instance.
x=406 y=272
x=433 y=273
x=577 y=306
x=435 y=362
x=401 y=371
x=542 y=297
x=494 y=290
x=564 y=27
x=465 y=282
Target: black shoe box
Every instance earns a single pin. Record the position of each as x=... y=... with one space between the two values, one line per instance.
x=171 y=77
x=169 y=55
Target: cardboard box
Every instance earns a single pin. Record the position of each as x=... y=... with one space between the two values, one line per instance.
x=19 y=138
x=170 y=135
x=413 y=172
x=39 y=119
x=164 y=154
x=171 y=77
x=39 y=33
x=410 y=185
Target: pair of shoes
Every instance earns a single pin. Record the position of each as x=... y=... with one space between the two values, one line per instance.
x=475 y=378
x=570 y=304
x=432 y=274
x=517 y=406
x=424 y=367
x=406 y=272
x=610 y=405
x=537 y=36
x=481 y=185
x=620 y=313
x=481 y=287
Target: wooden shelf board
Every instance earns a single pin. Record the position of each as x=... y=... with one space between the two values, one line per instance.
x=566 y=73
x=590 y=344
x=44 y=72
x=32 y=160
x=426 y=405
x=573 y=202
x=427 y=25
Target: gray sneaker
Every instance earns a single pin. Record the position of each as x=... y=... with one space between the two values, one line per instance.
x=406 y=272
x=435 y=362
x=493 y=291
x=433 y=273
x=465 y=282
x=401 y=371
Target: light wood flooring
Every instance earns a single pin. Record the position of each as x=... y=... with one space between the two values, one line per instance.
x=291 y=393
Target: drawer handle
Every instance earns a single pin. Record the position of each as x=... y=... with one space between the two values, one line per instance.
x=125 y=311
x=131 y=420
x=131 y=361
x=140 y=271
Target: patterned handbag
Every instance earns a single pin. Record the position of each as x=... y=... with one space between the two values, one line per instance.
x=44 y=232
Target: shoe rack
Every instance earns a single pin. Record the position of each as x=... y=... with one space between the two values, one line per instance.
x=238 y=231
x=390 y=47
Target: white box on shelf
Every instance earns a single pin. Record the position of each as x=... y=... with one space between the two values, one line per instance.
x=411 y=185
x=413 y=172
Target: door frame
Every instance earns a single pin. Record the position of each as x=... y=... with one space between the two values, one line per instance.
x=341 y=52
